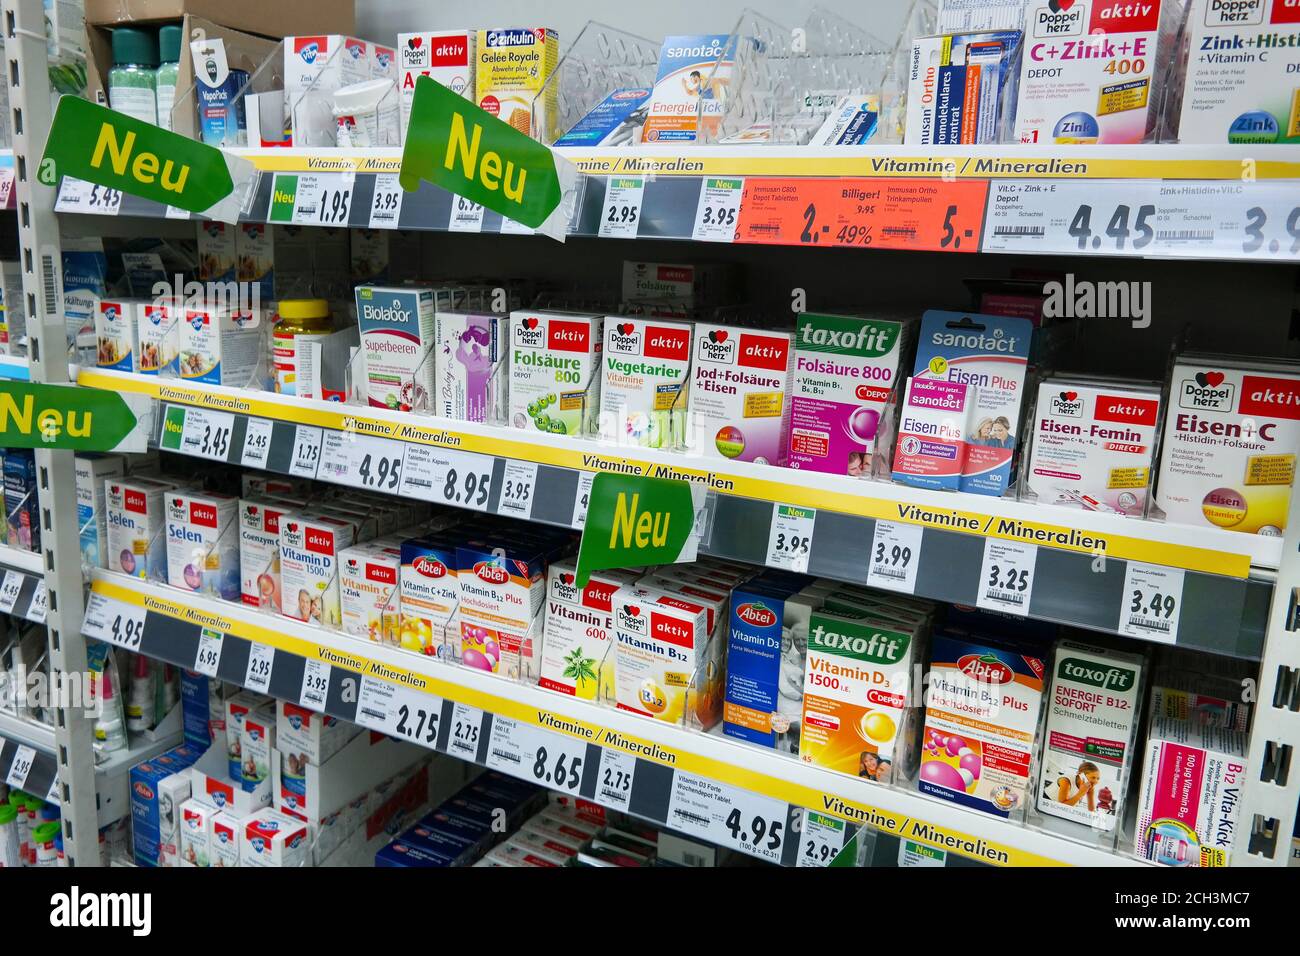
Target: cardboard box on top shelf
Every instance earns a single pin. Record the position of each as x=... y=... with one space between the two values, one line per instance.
x=243 y=51
x=278 y=19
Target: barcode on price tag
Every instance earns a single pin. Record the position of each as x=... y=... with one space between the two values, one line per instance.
x=718 y=210
x=315 y=686
x=20 y=767
x=582 y=498
x=547 y=759
x=727 y=816
x=465 y=732
x=1007 y=576
x=399 y=711
x=614 y=778
x=206 y=434
x=307 y=443
x=1152 y=602
x=620 y=217
x=257 y=676
x=518 y=487
x=895 y=554
x=320 y=199
x=386 y=203
x=466 y=215
x=77 y=195
x=208 y=659
x=821 y=839
x=10 y=588
x=113 y=621
x=789 y=540
x=335 y=456
x=257 y=442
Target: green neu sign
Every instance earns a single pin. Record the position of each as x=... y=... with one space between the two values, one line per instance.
x=63 y=416
x=109 y=148
x=467 y=151
x=634 y=521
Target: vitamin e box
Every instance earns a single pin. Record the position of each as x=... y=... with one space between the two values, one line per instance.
x=1094 y=445
x=740 y=394
x=1243 y=73
x=1093 y=708
x=660 y=643
x=309 y=576
x=1231 y=435
x=368 y=592
x=1094 y=70
x=981 y=715
x=555 y=371
x=645 y=387
x=446 y=57
x=857 y=695
x=577 y=647
x=512 y=68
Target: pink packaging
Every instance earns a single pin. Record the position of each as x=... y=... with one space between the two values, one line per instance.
x=740 y=394
x=933 y=427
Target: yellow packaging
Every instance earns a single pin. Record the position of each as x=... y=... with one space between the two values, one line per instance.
x=511 y=70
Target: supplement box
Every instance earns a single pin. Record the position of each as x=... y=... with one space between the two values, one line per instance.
x=115 y=334
x=257 y=746
x=1094 y=706
x=555 y=372
x=512 y=68
x=990 y=354
x=1094 y=72
x=661 y=642
x=314 y=67
x=471 y=366
x=1231 y=434
x=309 y=577
x=691 y=88
x=255 y=259
x=195 y=832
x=158 y=338
x=962 y=88
x=217 y=253
x=259 y=553
x=858 y=702
x=1093 y=445
x=219 y=346
x=845 y=373
x=397 y=339
x=577 y=647
x=1192 y=781
x=158 y=788
x=307 y=736
x=203 y=543
x=691 y=286
x=502 y=593
x=645 y=391
x=741 y=381
x=933 y=428
x=13 y=311
x=614 y=121
x=981 y=715
x=1243 y=62
x=137 y=543
x=368 y=591
x=22 y=510
x=447 y=57
x=273 y=839
x=93 y=472
x=238 y=707
x=429 y=596
x=767 y=650
x=224 y=848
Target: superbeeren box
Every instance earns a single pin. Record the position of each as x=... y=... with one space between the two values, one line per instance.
x=397 y=339
x=645 y=388
x=555 y=371
x=740 y=394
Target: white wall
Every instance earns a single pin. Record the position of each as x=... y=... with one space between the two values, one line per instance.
x=382 y=20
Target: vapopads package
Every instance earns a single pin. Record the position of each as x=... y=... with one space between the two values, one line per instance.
x=1231 y=435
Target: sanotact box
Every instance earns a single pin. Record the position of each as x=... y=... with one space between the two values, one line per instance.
x=691 y=87
x=555 y=371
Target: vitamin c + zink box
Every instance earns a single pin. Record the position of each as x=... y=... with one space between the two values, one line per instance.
x=555 y=371
x=368 y=591
x=1231 y=435
x=430 y=595
x=645 y=389
x=740 y=394
x=397 y=336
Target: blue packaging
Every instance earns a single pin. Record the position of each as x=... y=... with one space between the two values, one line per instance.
x=610 y=122
x=446 y=839
x=24 y=520
x=84 y=269
x=400 y=853
x=152 y=812
x=221 y=108
x=194 y=709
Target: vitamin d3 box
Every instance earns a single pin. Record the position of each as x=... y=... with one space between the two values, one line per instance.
x=857 y=696
x=220 y=346
x=158 y=338
x=1193 y=777
x=740 y=394
x=1230 y=440
x=578 y=649
x=1094 y=71
x=555 y=371
x=309 y=575
x=1093 y=445
x=981 y=714
x=660 y=648
x=471 y=379
x=397 y=337
x=446 y=57
x=203 y=543
x=1243 y=73
x=1093 y=709
x=645 y=390
x=511 y=71
x=845 y=373
x=137 y=544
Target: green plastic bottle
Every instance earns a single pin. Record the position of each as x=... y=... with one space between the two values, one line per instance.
x=169 y=53
x=132 y=82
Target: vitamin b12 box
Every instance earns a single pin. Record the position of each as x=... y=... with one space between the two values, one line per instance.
x=1094 y=70
x=645 y=388
x=740 y=394
x=660 y=648
x=1243 y=73
x=397 y=338
x=555 y=371
x=502 y=590
x=1231 y=434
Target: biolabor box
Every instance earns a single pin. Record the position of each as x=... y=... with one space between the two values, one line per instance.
x=397 y=339
x=1094 y=70
x=845 y=371
x=578 y=649
x=660 y=647
x=1094 y=445
x=1231 y=434
x=203 y=543
x=645 y=388
x=446 y=57
x=368 y=591
x=1192 y=781
x=740 y=394
x=309 y=547
x=555 y=371
x=1242 y=70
